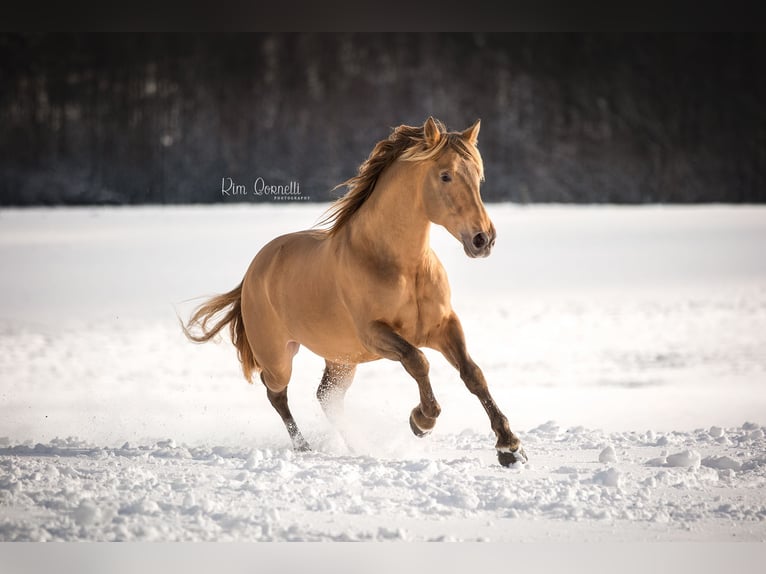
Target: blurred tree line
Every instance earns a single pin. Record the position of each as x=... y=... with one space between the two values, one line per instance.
x=163 y=118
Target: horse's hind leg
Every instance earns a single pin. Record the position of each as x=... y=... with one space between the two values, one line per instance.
x=276 y=381
x=336 y=380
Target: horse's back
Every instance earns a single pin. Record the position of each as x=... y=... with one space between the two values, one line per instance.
x=281 y=250
x=289 y=263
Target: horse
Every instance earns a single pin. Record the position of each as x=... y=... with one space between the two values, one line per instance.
x=364 y=284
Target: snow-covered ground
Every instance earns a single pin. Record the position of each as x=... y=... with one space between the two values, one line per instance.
x=640 y=331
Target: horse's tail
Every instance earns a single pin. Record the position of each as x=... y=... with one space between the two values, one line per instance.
x=231 y=303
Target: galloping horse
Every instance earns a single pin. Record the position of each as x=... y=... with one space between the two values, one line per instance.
x=368 y=286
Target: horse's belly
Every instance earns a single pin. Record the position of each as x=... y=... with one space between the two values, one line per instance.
x=340 y=351
x=322 y=325
x=334 y=339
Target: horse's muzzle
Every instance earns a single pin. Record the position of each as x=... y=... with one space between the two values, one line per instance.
x=479 y=244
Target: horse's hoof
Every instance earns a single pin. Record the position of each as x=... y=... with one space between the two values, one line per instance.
x=303 y=447
x=508 y=457
x=418 y=432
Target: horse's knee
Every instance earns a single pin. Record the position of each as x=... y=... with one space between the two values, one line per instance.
x=274 y=382
x=416 y=363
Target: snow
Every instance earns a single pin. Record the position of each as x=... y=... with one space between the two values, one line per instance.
x=608 y=477
x=687 y=458
x=608 y=455
x=721 y=462
x=626 y=345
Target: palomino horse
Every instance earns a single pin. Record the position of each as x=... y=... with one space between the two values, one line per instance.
x=369 y=286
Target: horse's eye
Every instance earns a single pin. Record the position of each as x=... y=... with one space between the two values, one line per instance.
x=446 y=177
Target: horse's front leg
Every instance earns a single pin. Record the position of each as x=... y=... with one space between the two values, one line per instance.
x=451 y=343
x=381 y=339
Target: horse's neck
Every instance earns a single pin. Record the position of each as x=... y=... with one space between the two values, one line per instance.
x=392 y=224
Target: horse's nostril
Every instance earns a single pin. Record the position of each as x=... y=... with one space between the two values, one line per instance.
x=479 y=240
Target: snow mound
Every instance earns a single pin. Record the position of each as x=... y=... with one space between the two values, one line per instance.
x=608 y=477
x=721 y=463
x=608 y=455
x=685 y=459
x=86 y=513
x=716 y=432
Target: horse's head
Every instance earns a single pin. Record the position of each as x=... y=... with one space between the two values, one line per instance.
x=451 y=189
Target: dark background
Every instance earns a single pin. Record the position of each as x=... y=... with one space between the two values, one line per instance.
x=586 y=118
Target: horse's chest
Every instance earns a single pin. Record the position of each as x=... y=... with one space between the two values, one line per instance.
x=420 y=308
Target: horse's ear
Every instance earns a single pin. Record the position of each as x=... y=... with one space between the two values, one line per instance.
x=431 y=132
x=471 y=135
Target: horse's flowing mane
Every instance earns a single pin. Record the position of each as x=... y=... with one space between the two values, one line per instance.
x=408 y=143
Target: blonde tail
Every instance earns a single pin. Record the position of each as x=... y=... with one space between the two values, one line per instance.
x=206 y=313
